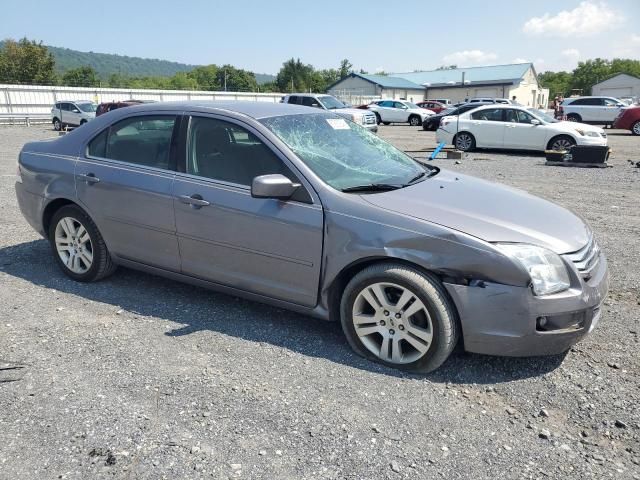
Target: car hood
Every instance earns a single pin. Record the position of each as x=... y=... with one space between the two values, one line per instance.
x=573 y=126
x=349 y=111
x=487 y=210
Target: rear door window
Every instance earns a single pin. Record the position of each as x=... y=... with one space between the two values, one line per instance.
x=491 y=115
x=144 y=140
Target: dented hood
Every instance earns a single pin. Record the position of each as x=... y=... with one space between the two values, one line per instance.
x=487 y=210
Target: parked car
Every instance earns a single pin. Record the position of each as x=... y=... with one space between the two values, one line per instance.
x=328 y=102
x=596 y=110
x=435 y=107
x=629 y=119
x=327 y=220
x=444 y=101
x=72 y=113
x=513 y=127
x=433 y=122
x=399 y=111
x=105 y=107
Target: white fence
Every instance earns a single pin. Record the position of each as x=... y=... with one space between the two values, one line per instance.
x=33 y=102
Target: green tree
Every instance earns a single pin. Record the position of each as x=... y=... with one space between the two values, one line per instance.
x=26 y=61
x=558 y=83
x=182 y=81
x=236 y=79
x=206 y=77
x=80 y=77
x=294 y=76
x=345 y=68
x=590 y=72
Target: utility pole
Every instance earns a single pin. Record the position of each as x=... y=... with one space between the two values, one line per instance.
x=225 y=79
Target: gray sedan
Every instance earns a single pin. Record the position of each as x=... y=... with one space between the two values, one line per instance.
x=305 y=210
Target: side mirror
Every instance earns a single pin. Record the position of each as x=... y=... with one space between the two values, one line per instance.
x=535 y=121
x=273 y=186
x=75 y=110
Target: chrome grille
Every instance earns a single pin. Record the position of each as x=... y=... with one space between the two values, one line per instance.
x=369 y=119
x=586 y=259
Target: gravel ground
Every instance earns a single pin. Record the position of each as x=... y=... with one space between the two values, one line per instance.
x=141 y=377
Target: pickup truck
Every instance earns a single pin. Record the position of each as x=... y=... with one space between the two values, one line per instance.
x=327 y=102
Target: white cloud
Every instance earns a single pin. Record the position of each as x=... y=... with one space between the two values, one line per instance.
x=469 y=57
x=571 y=54
x=586 y=19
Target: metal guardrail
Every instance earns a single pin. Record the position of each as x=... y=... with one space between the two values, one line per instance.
x=24 y=118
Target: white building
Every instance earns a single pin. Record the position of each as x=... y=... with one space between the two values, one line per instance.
x=621 y=85
x=497 y=81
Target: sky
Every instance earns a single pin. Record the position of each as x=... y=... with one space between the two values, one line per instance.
x=374 y=35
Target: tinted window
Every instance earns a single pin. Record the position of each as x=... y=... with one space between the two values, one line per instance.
x=398 y=105
x=310 y=102
x=492 y=115
x=386 y=103
x=66 y=106
x=294 y=99
x=141 y=140
x=224 y=151
x=587 y=101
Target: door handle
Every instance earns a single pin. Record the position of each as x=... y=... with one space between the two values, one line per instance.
x=195 y=200
x=89 y=178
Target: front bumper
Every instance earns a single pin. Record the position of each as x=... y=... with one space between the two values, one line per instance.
x=503 y=320
x=586 y=140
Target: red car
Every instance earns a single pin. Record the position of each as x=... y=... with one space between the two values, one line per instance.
x=105 y=107
x=435 y=107
x=629 y=119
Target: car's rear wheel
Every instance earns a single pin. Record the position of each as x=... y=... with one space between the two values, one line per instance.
x=78 y=246
x=464 y=142
x=386 y=123
x=635 y=129
x=57 y=124
x=414 y=120
x=400 y=317
x=562 y=142
x=574 y=117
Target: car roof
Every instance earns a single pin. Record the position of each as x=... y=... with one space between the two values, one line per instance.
x=253 y=109
x=307 y=95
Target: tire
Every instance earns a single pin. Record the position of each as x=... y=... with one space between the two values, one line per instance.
x=69 y=226
x=414 y=120
x=464 y=141
x=82 y=122
x=561 y=142
x=635 y=128
x=57 y=124
x=386 y=123
x=378 y=119
x=574 y=117
x=426 y=126
x=381 y=334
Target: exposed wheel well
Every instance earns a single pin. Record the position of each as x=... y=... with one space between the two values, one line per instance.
x=54 y=119
x=574 y=115
x=51 y=209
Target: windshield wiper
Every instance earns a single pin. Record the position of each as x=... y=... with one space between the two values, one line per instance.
x=372 y=187
x=433 y=171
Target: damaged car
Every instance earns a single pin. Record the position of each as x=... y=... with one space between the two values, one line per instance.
x=310 y=212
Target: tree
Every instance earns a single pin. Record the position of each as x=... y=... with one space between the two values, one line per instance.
x=236 y=79
x=294 y=76
x=182 y=81
x=26 y=61
x=345 y=68
x=206 y=77
x=80 y=77
x=558 y=83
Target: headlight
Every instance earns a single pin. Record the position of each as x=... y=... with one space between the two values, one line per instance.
x=547 y=270
x=592 y=134
x=359 y=119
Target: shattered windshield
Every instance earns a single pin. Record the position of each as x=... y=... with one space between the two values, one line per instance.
x=341 y=153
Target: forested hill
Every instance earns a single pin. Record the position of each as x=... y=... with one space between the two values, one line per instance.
x=106 y=64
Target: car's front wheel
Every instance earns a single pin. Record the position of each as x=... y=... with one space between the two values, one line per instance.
x=635 y=128
x=574 y=117
x=561 y=143
x=464 y=142
x=57 y=124
x=78 y=246
x=399 y=316
x=378 y=119
x=414 y=120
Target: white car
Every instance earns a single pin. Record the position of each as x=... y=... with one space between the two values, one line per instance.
x=399 y=111
x=517 y=128
x=599 y=110
x=72 y=113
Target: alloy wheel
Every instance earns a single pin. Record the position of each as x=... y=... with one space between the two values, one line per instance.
x=463 y=142
x=392 y=323
x=73 y=245
x=414 y=121
x=561 y=144
x=636 y=128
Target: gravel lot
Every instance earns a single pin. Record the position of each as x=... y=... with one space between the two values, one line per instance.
x=141 y=377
